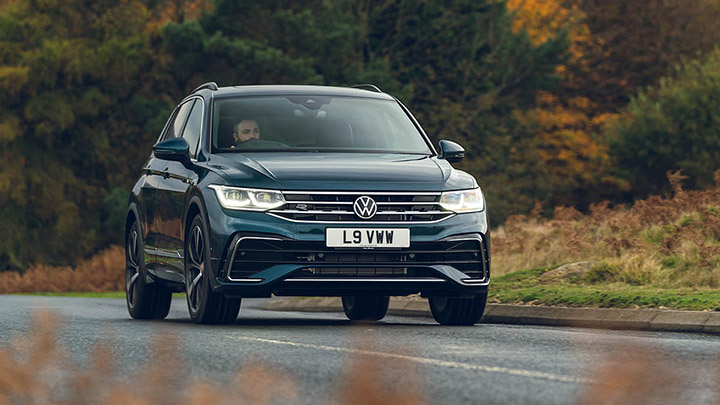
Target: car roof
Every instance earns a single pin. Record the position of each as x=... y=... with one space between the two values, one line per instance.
x=269 y=90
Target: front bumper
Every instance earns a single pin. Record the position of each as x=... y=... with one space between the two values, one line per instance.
x=255 y=254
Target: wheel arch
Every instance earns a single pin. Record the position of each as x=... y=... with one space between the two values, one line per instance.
x=132 y=216
x=195 y=206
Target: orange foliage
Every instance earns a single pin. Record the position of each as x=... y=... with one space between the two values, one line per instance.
x=102 y=272
x=544 y=19
x=567 y=139
x=566 y=123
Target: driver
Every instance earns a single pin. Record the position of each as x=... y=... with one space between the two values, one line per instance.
x=246 y=130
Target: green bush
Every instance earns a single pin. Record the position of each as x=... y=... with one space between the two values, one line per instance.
x=675 y=125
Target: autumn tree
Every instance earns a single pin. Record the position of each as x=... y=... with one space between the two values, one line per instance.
x=566 y=124
x=616 y=48
x=74 y=93
x=638 y=42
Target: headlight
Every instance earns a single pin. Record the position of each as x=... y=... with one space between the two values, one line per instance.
x=463 y=201
x=248 y=199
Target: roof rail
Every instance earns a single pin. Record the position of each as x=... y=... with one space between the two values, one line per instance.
x=368 y=87
x=209 y=85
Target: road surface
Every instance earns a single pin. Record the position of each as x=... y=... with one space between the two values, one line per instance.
x=480 y=364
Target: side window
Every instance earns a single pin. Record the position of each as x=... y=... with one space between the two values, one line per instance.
x=175 y=128
x=192 y=128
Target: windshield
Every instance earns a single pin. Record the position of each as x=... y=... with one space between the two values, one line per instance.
x=314 y=124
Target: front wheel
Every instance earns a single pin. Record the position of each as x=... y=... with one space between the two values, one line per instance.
x=204 y=305
x=458 y=311
x=365 y=308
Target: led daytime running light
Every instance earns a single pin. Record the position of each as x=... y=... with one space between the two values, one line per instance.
x=463 y=200
x=248 y=199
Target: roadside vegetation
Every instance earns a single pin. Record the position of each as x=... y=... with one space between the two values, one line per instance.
x=101 y=273
x=658 y=252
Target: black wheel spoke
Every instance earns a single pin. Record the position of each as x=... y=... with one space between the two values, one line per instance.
x=193 y=290
x=133 y=249
x=195 y=267
x=131 y=287
x=196 y=250
x=132 y=271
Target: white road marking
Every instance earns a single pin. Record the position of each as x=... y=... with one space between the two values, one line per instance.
x=424 y=360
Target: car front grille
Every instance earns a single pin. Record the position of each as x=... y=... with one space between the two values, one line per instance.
x=254 y=255
x=306 y=206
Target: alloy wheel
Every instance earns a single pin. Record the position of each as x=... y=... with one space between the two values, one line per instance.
x=132 y=268
x=196 y=267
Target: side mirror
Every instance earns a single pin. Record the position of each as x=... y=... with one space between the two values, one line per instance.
x=451 y=151
x=176 y=149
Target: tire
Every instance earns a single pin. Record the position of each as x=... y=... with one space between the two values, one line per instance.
x=144 y=300
x=205 y=305
x=458 y=311
x=365 y=308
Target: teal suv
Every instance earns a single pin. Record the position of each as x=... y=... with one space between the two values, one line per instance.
x=252 y=191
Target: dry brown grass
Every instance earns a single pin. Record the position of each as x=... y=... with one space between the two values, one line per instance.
x=34 y=368
x=664 y=241
x=102 y=272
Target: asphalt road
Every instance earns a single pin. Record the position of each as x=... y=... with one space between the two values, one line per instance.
x=480 y=364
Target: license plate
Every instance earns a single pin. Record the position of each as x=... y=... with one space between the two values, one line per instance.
x=367 y=237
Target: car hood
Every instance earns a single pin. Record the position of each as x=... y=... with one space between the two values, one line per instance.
x=340 y=171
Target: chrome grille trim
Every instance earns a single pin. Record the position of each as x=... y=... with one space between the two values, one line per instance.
x=335 y=207
x=321 y=212
x=419 y=193
x=360 y=221
x=406 y=203
x=319 y=202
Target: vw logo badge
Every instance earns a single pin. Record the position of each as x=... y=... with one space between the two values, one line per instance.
x=365 y=207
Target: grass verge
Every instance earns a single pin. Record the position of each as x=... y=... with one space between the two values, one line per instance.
x=525 y=287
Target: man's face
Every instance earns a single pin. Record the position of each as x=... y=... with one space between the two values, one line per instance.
x=246 y=130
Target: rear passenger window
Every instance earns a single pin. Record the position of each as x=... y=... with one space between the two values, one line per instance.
x=192 y=128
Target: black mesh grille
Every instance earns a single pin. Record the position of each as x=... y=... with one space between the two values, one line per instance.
x=254 y=255
x=339 y=207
